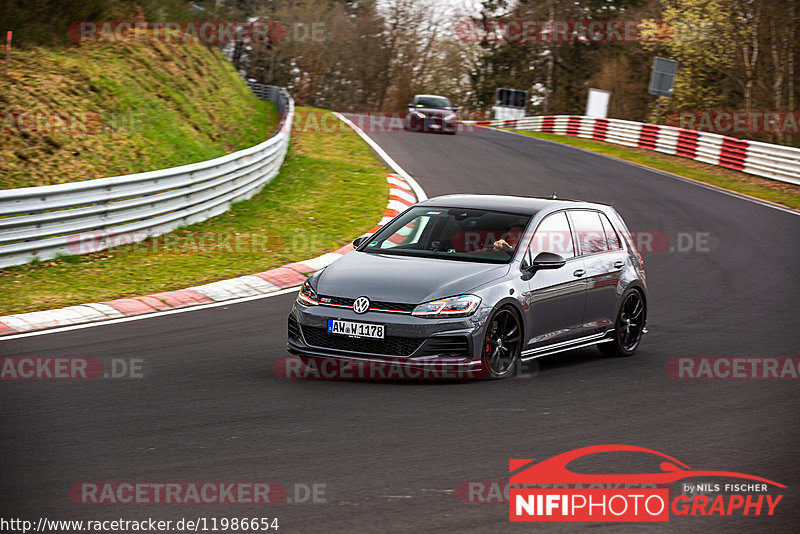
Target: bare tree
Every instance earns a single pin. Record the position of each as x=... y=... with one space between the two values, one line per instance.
x=750 y=12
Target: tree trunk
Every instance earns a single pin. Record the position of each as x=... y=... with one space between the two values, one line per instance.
x=750 y=53
x=790 y=59
x=548 y=90
x=777 y=48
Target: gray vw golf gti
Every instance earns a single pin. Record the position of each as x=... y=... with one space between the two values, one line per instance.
x=477 y=283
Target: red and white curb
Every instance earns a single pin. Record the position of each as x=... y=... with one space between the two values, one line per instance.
x=401 y=196
x=776 y=162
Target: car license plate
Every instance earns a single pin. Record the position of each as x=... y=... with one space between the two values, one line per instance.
x=350 y=328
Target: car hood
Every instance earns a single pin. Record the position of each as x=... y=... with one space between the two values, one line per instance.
x=405 y=279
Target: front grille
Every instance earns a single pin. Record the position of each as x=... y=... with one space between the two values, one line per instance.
x=294 y=330
x=340 y=301
x=394 y=306
x=379 y=304
x=454 y=346
x=394 y=346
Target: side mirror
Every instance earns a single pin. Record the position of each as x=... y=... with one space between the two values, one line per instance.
x=409 y=105
x=546 y=260
x=455 y=109
x=359 y=240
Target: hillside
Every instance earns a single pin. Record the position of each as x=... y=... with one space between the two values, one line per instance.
x=100 y=110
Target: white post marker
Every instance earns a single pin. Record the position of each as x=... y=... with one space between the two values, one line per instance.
x=597 y=103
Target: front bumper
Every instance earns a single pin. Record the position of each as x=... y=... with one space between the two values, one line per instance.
x=414 y=342
x=432 y=124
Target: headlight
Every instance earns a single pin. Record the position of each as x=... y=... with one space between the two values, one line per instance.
x=460 y=306
x=450 y=117
x=307 y=296
x=419 y=115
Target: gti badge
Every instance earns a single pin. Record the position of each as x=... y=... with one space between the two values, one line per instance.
x=361 y=305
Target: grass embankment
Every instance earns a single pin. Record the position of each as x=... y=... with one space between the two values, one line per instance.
x=331 y=189
x=774 y=191
x=100 y=110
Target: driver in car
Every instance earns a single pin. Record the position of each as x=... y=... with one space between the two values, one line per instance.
x=510 y=240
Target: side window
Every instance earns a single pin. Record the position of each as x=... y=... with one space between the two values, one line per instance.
x=589 y=231
x=612 y=238
x=553 y=235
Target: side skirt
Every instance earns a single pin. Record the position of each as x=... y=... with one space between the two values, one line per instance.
x=587 y=341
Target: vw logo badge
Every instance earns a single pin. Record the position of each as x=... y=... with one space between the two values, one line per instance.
x=361 y=305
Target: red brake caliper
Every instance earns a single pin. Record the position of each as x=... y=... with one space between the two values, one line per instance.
x=489 y=336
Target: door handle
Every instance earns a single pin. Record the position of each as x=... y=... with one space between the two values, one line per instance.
x=619 y=264
x=579 y=272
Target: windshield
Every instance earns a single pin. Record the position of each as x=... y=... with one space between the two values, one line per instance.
x=433 y=102
x=451 y=234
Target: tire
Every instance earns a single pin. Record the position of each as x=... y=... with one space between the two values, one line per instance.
x=502 y=344
x=628 y=327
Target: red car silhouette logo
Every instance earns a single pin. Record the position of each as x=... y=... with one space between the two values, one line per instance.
x=555 y=471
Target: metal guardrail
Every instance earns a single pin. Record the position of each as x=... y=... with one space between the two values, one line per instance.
x=776 y=162
x=81 y=217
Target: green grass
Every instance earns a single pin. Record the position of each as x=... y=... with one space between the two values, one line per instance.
x=331 y=189
x=778 y=192
x=146 y=105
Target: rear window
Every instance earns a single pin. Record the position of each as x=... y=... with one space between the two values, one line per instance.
x=612 y=238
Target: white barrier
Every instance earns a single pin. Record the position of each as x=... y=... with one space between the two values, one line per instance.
x=81 y=217
x=776 y=162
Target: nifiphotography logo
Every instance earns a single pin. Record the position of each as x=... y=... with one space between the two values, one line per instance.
x=636 y=497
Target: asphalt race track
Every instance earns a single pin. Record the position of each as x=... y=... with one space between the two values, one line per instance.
x=391 y=454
